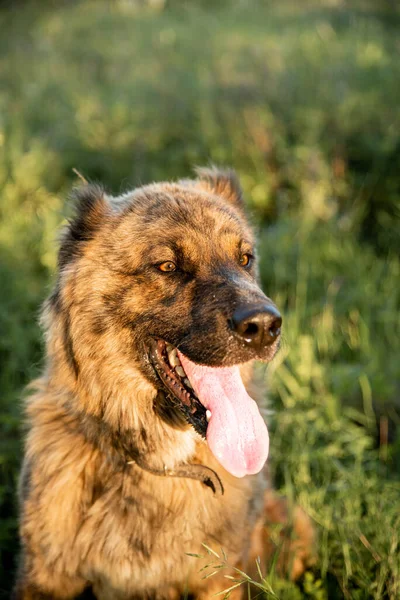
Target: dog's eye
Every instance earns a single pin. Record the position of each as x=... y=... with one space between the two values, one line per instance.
x=245 y=260
x=167 y=266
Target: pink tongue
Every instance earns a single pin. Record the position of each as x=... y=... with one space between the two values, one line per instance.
x=236 y=432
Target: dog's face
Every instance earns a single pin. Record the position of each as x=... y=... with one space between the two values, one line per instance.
x=171 y=270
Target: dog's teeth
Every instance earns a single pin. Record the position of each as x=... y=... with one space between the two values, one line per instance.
x=180 y=371
x=187 y=383
x=173 y=358
x=208 y=415
x=169 y=348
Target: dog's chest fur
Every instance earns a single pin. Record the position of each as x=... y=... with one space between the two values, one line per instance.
x=145 y=526
x=123 y=529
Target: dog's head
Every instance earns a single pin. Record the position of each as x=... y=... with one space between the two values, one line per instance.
x=164 y=280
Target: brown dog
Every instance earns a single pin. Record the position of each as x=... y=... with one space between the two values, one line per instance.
x=143 y=442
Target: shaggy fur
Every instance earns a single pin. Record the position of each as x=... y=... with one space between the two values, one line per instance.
x=93 y=514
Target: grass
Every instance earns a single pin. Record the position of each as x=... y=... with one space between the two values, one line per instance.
x=327 y=452
x=302 y=100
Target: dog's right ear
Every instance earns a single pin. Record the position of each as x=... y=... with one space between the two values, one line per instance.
x=91 y=206
x=222 y=182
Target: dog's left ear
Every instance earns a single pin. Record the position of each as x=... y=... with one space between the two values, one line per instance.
x=222 y=182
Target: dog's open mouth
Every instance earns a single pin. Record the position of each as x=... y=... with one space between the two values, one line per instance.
x=215 y=402
x=167 y=364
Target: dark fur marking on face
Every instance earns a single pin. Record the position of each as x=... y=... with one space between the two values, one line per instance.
x=163 y=205
x=69 y=349
x=169 y=300
x=114 y=305
x=83 y=226
x=212 y=303
x=186 y=266
x=177 y=250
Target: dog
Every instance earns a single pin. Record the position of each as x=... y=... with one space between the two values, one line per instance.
x=144 y=441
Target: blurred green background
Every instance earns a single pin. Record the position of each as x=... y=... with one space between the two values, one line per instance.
x=302 y=99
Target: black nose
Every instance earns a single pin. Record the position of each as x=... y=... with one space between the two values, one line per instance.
x=258 y=326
